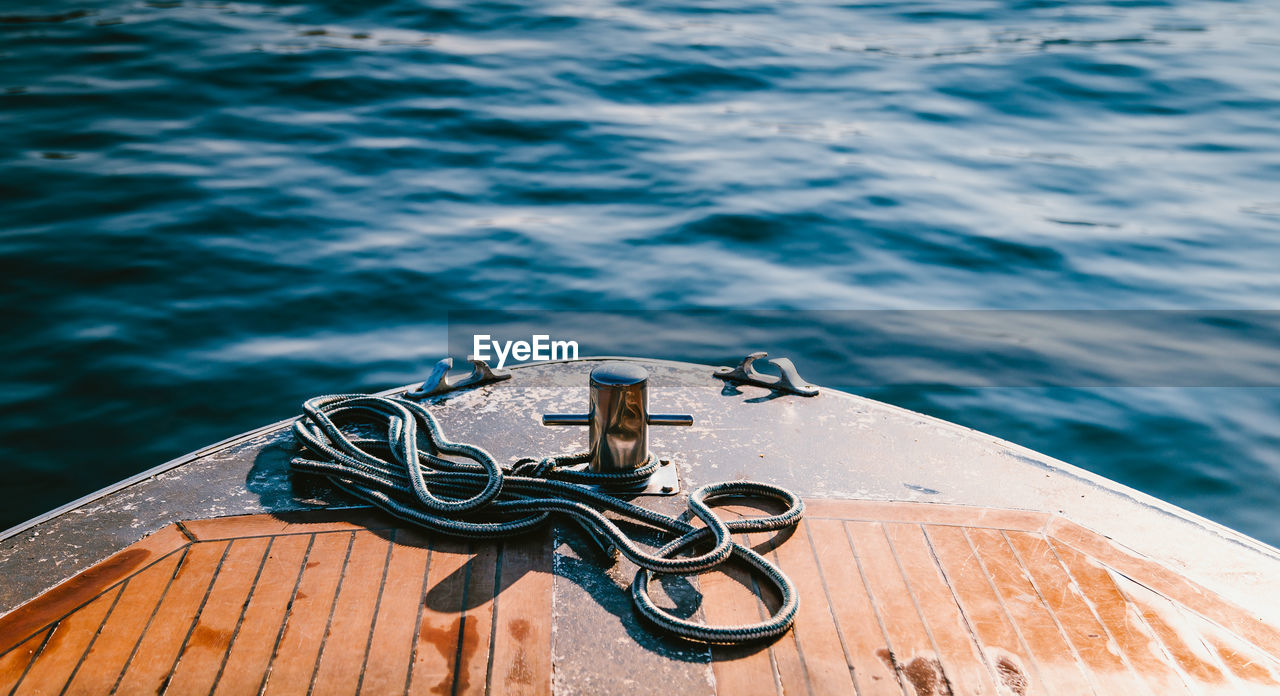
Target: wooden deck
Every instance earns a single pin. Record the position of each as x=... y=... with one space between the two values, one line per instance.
x=896 y=598
x=250 y=605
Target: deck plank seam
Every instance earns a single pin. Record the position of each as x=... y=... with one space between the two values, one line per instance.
x=1254 y=633
x=35 y=656
x=1214 y=654
x=875 y=609
x=462 y=618
x=1053 y=522
x=333 y=604
x=177 y=568
x=1066 y=638
x=794 y=633
x=1174 y=585
x=1153 y=634
x=762 y=609
x=986 y=661
x=915 y=602
x=83 y=604
x=1008 y=615
x=1132 y=610
x=1218 y=601
x=493 y=617
x=71 y=677
x=1232 y=678
x=284 y=620
x=826 y=591
x=30 y=658
x=377 y=605
x=936 y=523
x=42 y=672
x=1124 y=657
x=235 y=633
x=703 y=614
x=354 y=529
x=417 y=623
x=195 y=618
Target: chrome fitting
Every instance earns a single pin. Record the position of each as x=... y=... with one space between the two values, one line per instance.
x=618 y=418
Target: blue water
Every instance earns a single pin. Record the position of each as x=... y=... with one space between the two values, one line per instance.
x=211 y=210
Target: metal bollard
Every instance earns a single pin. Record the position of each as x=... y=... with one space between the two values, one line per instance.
x=619 y=418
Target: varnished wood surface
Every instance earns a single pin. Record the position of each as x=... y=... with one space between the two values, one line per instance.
x=896 y=598
x=255 y=604
x=911 y=599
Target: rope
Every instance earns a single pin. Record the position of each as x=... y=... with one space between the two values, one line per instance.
x=405 y=473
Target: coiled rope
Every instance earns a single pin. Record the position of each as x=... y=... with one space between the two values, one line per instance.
x=404 y=473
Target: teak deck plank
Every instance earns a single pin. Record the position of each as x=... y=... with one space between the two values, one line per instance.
x=251 y=648
x=1122 y=621
x=1179 y=640
x=78 y=590
x=1169 y=584
x=1063 y=596
x=345 y=645
x=727 y=600
x=976 y=597
x=106 y=658
x=826 y=667
x=153 y=660
x=851 y=606
x=387 y=665
x=440 y=619
x=14 y=663
x=926 y=513
x=286 y=523
x=61 y=655
x=477 y=620
x=1245 y=662
x=962 y=660
x=1247 y=670
x=206 y=645
x=785 y=652
x=295 y=657
x=521 y=659
x=895 y=598
x=910 y=650
x=1055 y=658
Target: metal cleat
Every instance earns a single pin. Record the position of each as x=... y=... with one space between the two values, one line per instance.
x=439 y=382
x=787 y=380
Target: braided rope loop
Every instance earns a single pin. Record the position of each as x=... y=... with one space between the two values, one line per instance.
x=402 y=471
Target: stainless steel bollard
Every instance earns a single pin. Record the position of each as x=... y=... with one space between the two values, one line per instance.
x=619 y=417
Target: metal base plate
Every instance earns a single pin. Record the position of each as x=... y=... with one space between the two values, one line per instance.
x=664 y=481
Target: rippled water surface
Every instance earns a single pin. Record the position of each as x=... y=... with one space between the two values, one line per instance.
x=211 y=210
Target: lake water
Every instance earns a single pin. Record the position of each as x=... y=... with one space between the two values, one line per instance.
x=212 y=210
